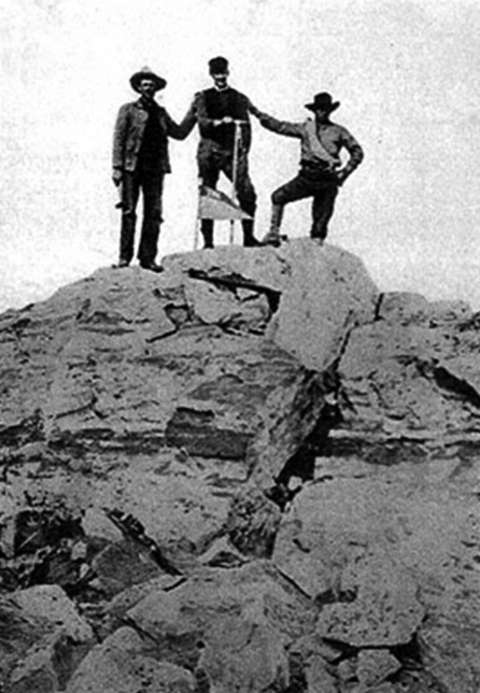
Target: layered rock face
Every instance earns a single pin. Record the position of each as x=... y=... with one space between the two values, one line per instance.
x=410 y=380
x=251 y=472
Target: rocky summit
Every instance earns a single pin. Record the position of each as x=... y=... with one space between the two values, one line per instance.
x=251 y=472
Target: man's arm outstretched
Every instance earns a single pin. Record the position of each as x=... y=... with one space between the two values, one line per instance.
x=180 y=131
x=281 y=127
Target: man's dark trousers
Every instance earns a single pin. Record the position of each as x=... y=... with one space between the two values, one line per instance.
x=211 y=161
x=323 y=187
x=150 y=181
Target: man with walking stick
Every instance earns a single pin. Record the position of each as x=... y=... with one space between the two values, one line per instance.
x=223 y=119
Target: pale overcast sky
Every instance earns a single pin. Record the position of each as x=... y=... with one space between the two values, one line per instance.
x=406 y=74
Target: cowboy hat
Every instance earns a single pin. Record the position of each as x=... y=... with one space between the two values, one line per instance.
x=146 y=73
x=324 y=101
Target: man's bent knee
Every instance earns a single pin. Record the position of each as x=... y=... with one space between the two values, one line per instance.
x=278 y=197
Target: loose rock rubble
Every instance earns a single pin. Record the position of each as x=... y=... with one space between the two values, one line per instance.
x=251 y=472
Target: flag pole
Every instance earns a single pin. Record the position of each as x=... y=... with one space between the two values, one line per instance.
x=236 y=138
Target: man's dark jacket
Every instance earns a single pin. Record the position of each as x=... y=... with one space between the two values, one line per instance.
x=210 y=105
x=129 y=130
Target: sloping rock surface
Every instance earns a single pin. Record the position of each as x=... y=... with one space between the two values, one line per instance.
x=251 y=472
x=162 y=394
x=129 y=359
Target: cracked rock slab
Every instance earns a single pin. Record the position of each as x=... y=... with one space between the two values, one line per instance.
x=384 y=610
x=49 y=603
x=127 y=663
x=134 y=363
x=409 y=386
x=374 y=666
x=449 y=651
x=391 y=553
x=182 y=502
x=234 y=624
x=46 y=639
x=402 y=307
x=325 y=291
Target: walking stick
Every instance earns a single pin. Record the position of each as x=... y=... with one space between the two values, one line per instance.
x=198 y=221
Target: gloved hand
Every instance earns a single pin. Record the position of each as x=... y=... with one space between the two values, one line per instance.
x=342 y=176
x=226 y=120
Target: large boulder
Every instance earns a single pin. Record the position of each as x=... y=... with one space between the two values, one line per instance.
x=121 y=361
x=391 y=552
x=161 y=394
x=410 y=381
x=43 y=640
x=125 y=663
x=328 y=294
x=406 y=308
x=376 y=605
x=324 y=291
x=129 y=360
x=236 y=625
x=219 y=630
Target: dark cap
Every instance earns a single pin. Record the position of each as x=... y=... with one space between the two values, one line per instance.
x=218 y=65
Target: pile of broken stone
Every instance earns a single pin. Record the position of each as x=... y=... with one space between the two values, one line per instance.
x=252 y=472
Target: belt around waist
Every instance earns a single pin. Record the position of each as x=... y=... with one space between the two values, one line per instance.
x=312 y=170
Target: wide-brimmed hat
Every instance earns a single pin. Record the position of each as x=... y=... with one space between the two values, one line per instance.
x=146 y=73
x=324 y=101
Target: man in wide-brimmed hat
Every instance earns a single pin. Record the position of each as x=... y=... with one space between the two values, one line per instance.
x=216 y=109
x=140 y=161
x=321 y=171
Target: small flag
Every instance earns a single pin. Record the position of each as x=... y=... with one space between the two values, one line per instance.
x=214 y=204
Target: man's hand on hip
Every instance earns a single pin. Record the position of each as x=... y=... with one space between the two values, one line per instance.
x=342 y=176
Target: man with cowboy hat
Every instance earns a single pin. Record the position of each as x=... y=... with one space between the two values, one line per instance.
x=140 y=161
x=320 y=174
x=216 y=109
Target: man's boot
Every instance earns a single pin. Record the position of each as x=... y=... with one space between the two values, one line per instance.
x=273 y=236
x=249 y=240
x=207 y=232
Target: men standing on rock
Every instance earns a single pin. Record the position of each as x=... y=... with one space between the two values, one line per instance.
x=140 y=161
x=319 y=176
x=216 y=109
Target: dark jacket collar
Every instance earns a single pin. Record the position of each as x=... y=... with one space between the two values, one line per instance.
x=139 y=103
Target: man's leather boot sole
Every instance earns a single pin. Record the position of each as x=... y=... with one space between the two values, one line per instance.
x=251 y=242
x=152 y=266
